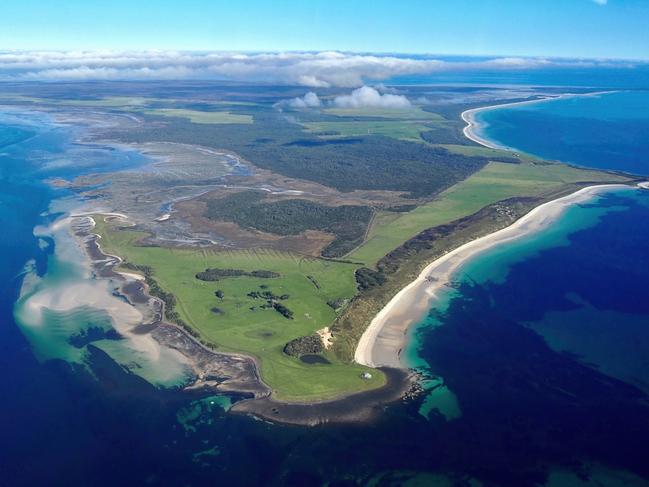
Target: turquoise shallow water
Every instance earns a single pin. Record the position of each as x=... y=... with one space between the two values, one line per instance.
x=526 y=389
x=493 y=267
x=549 y=332
x=37 y=149
x=563 y=313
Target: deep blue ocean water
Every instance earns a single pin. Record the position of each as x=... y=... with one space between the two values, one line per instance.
x=623 y=76
x=537 y=363
x=548 y=337
x=607 y=131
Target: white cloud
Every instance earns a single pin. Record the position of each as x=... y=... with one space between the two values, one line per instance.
x=517 y=62
x=320 y=69
x=312 y=69
x=310 y=100
x=386 y=89
x=368 y=97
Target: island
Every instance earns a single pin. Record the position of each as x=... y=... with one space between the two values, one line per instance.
x=282 y=251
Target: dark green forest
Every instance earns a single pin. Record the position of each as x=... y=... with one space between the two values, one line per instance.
x=291 y=217
x=369 y=162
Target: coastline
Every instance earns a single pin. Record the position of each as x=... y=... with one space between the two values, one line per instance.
x=222 y=372
x=473 y=125
x=231 y=373
x=385 y=337
x=237 y=373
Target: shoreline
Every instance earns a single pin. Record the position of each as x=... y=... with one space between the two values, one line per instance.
x=473 y=125
x=385 y=337
x=233 y=373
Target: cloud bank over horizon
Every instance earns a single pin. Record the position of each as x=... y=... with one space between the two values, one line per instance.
x=310 y=69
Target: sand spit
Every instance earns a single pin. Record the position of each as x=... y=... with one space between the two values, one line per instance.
x=473 y=125
x=382 y=342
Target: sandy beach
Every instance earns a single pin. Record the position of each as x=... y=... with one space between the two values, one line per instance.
x=473 y=125
x=381 y=343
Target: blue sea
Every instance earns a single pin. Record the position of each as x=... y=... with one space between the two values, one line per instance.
x=604 y=131
x=536 y=363
x=547 y=338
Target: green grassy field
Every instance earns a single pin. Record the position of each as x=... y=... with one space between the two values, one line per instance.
x=497 y=181
x=242 y=326
x=475 y=150
x=128 y=103
x=196 y=116
x=260 y=332
x=398 y=129
x=110 y=102
x=124 y=102
x=412 y=113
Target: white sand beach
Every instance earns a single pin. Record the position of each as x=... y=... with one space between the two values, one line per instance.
x=381 y=343
x=472 y=129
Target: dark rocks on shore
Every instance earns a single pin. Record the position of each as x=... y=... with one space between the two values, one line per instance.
x=235 y=373
x=362 y=406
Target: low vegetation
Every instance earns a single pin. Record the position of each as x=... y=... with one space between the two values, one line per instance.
x=369 y=162
x=409 y=113
x=202 y=117
x=169 y=299
x=304 y=345
x=293 y=216
x=272 y=302
x=240 y=325
x=211 y=274
x=496 y=182
x=369 y=278
x=398 y=129
x=465 y=188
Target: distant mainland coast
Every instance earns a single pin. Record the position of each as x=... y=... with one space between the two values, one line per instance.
x=384 y=339
x=473 y=128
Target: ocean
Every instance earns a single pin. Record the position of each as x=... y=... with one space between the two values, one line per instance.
x=604 y=131
x=535 y=361
x=547 y=337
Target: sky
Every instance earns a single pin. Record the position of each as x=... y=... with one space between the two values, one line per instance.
x=556 y=28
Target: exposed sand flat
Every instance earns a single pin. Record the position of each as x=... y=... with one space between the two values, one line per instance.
x=326 y=336
x=70 y=287
x=131 y=275
x=100 y=212
x=88 y=293
x=381 y=343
